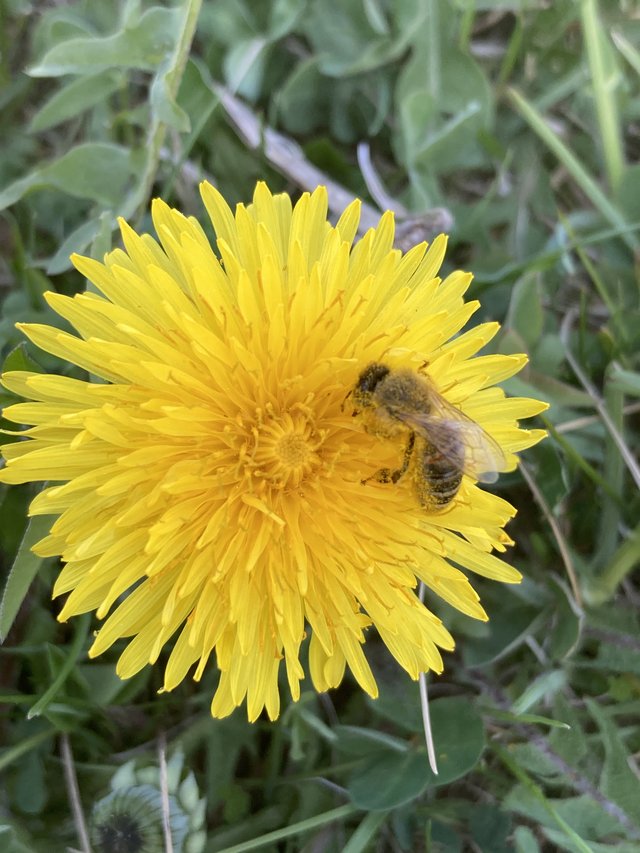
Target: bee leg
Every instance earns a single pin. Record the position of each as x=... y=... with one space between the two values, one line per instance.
x=344 y=402
x=392 y=475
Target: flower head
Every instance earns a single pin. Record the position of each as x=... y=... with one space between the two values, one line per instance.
x=134 y=816
x=211 y=486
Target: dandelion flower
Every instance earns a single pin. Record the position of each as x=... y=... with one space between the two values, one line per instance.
x=134 y=816
x=209 y=488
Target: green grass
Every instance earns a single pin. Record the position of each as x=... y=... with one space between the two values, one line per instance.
x=520 y=122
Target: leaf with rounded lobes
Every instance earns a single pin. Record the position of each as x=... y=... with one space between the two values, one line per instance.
x=144 y=43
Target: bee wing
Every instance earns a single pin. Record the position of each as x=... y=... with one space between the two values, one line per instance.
x=447 y=428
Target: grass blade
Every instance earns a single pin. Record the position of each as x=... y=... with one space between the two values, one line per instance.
x=606 y=79
x=573 y=165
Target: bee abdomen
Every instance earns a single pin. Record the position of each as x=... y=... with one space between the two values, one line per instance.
x=438 y=477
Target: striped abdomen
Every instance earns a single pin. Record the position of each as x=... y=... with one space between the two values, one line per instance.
x=438 y=476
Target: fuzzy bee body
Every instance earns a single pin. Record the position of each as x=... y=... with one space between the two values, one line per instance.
x=443 y=443
x=439 y=478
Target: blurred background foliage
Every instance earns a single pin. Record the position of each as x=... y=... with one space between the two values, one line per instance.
x=515 y=125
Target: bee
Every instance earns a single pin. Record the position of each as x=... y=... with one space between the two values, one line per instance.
x=442 y=442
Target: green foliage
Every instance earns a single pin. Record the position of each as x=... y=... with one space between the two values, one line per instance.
x=518 y=119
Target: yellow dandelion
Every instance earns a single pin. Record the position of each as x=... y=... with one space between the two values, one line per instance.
x=210 y=488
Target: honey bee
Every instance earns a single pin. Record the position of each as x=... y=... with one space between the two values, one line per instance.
x=442 y=442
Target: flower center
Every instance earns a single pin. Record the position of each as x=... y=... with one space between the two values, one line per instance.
x=292 y=450
x=285 y=447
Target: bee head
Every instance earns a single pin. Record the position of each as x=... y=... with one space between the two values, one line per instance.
x=370 y=376
x=367 y=383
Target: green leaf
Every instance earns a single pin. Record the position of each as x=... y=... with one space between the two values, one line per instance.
x=601 y=588
x=571 y=743
x=59 y=24
x=356 y=741
x=526 y=314
x=95 y=170
x=628 y=194
x=399 y=701
x=144 y=44
x=30 y=786
x=548 y=388
x=567 y=624
x=549 y=683
x=77 y=241
x=459 y=738
x=244 y=67
x=24 y=569
x=491 y=829
x=195 y=96
x=618 y=657
x=628 y=381
x=507 y=629
x=164 y=104
x=535 y=719
x=444 y=101
x=366 y=833
x=388 y=778
x=10 y=843
x=103 y=239
x=25 y=744
x=579 y=817
x=443 y=838
x=64 y=663
x=343 y=37
x=74 y=98
x=603 y=67
x=283 y=16
x=303 y=101
x=100 y=682
x=574 y=165
x=525 y=841
x=618 y=782
x=19 y=359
